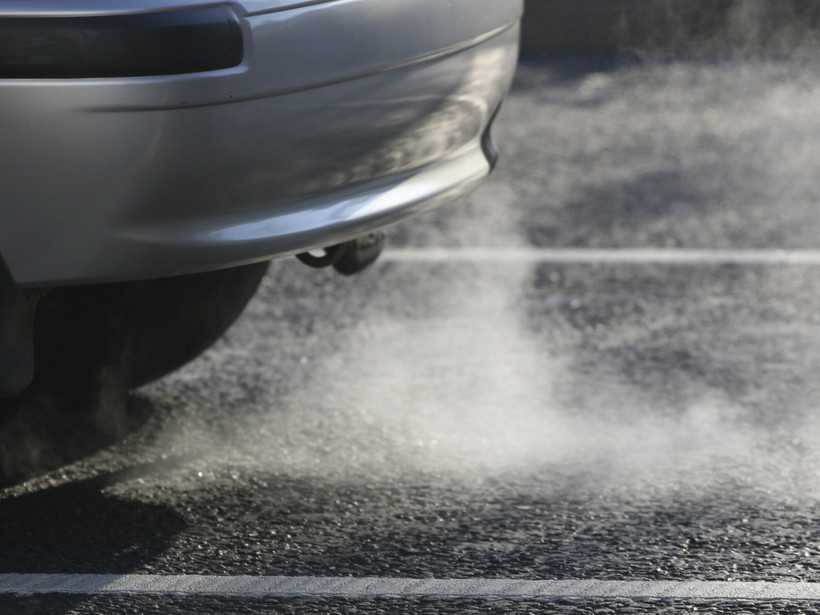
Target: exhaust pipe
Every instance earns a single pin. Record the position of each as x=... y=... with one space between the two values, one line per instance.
x=349 y=258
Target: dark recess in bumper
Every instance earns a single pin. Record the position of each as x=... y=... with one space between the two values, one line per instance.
x=488 y=144
x=163 y=43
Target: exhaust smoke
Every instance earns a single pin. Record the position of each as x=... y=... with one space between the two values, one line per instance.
x=618 y=376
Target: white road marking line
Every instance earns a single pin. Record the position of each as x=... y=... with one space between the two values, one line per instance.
x=570 y=256
x=362 y=588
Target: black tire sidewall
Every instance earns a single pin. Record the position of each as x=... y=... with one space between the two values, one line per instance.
x=144 y=330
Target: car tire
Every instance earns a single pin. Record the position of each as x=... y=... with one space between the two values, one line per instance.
x=141 y=331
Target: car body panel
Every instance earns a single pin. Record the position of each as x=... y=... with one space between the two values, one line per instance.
x=344 y=116
x=117 y=7
x=462 y=12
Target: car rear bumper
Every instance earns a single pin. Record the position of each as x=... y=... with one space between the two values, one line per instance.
x=342 y=116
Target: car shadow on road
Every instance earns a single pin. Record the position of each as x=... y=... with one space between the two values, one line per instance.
x=56 y=525
x=96 y=530
x=40 y=431
x=83 y=527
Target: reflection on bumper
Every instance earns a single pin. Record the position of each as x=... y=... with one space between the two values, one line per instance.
x=99 y=190
x=318 y=222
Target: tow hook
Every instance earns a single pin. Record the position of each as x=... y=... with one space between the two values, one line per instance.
x=349 y=258
x=17 y=311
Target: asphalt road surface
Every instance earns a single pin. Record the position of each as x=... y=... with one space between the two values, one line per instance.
x=601 y=367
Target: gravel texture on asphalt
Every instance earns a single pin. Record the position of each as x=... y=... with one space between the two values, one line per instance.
x=656 y=429
x=496 y=420
x=169 y=605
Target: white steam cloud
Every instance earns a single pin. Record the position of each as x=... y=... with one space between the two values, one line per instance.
x=447 y=378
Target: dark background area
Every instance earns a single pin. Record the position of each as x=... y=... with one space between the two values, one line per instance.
x=607 y=26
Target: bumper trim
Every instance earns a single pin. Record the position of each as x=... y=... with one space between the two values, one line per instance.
x=319 y=222
x=150 y=252
x=149 y=44
x=440 y=54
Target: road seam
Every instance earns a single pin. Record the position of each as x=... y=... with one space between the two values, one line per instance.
x=377 y=587
x=637 y=256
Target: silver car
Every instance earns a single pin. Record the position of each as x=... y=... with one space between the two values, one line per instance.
x=156 y=154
